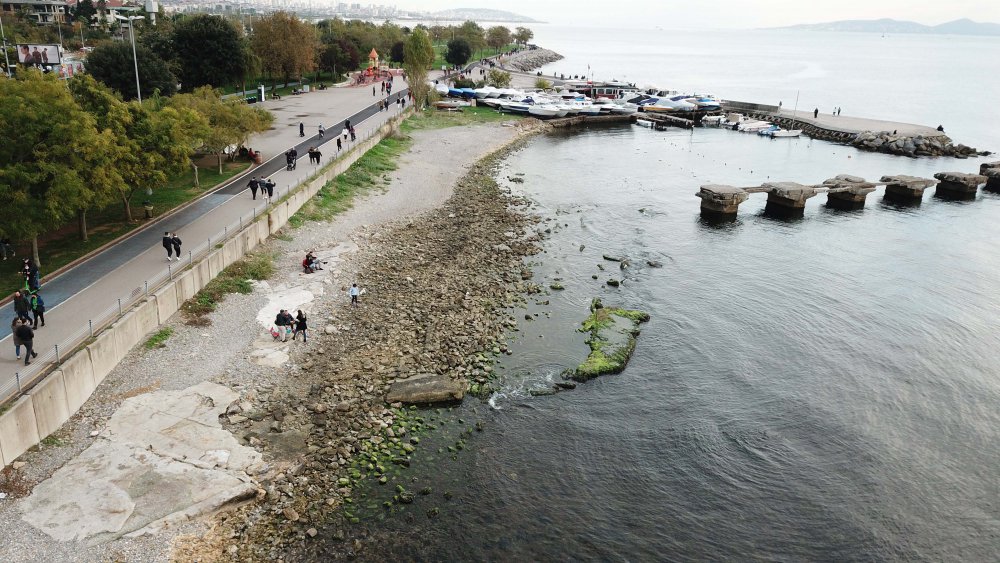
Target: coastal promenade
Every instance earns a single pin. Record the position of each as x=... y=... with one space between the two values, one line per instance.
x=92 y=293
x=841 y=124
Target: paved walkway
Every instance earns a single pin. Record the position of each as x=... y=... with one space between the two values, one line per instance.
x=847 y=124
x=92 y=289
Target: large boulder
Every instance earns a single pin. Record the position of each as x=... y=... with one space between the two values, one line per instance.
x=426 y=389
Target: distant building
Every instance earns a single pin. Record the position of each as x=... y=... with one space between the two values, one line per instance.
x=43 y=11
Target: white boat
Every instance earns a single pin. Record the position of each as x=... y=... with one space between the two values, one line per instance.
x=713 y=120
x=451 y=104
x=590 y=109
x=441 y=89
x=621 y=107
x=543 y=111
x=775 y=131
x=666 y=105
x=644 y=123
x=484 y=92
x=751 y=126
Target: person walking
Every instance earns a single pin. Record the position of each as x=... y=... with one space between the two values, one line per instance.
x=353 y=138
x=253 y=184
x=815 y=113
x=21 y=306
x=373 y=91
x=270 y=190
x=168 y=245
x=27 y=337
x=302 y=129
x=17 y=339
x=6 y=248
x=300 y=326
x=354 y=292
x=322 y=131
x=37 y=309
x=339 y=145
x=175 y=241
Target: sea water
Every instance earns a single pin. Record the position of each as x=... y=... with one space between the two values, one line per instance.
x=817 y=389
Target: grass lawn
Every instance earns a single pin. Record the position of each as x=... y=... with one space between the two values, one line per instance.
x=440 y=48
x=60 y=247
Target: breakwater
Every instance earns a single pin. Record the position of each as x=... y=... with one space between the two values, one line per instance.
x=890 y=137
x=531 y=59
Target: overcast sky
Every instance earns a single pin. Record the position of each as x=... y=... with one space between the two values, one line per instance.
x=723 y=13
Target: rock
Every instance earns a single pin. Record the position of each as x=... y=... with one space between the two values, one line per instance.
x=654 y=264
x=290 y=514
x=329 y=329
x=566 y=385
x=541 y=392
x=311 y=532
x=406 y=497
x=612 y=258
x=612 y=338
x=426 y=389
x=613 y=282
x=556 y=286
x=18 y=464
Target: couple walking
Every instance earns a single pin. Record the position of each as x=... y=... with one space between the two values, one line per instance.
x=172 y=244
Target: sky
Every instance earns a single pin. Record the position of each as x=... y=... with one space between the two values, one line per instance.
x=693 y=14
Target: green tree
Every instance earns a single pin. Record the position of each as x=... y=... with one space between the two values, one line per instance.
x=458 y=52
x=52 y=144
x=396 y=54
x=208 y=50
x=112 y=64
x=339 y=57
x=285 y=44
x=498 y=37
x=473 y=33
x=231 y=122
x=418 y=57
x=522 y=35
x=84 y=11
x=498 y=78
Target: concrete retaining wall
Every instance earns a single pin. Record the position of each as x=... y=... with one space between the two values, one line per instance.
x=53 y=400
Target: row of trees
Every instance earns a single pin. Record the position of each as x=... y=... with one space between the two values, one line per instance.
x=74 y=149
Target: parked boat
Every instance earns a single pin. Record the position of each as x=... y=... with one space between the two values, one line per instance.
x=775 y=131
x=666 y=105
x=451 y=104
x=484 y=92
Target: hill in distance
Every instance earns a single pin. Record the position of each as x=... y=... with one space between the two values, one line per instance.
x=958 y=27
x=482 y=14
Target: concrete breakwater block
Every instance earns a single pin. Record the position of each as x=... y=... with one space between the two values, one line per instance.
x=426 y=389
x=958 y=184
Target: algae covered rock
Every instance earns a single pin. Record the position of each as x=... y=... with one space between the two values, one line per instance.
x=612 y=335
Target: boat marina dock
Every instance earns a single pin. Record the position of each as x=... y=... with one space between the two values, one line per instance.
x=841 y=126
x=845 y=192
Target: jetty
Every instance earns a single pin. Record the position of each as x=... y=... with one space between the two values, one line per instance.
x=845 y=192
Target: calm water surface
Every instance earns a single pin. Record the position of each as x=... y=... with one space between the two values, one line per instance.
x=824 y=389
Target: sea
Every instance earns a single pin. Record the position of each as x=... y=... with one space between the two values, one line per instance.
x=818 y=389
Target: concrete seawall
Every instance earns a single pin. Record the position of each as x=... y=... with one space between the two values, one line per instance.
x=61 y=393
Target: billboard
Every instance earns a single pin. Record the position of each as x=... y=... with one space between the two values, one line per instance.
x=29 y=54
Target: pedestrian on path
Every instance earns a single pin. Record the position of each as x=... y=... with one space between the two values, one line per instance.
x=168 y=245
x=322 y=131
x=354 y=292
x=253 y=184
x=27 y=337
x=815 y=113
x=37 y=309
x=175 y=241
x=6 y=248
x=302 y=129
x=373 y=91
x=300 y=326
x=17 y=339
x=21 y=306
x=353 y=138
x=339 y=145
x=270 y=189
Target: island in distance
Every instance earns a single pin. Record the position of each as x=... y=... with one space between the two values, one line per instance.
x=481 y=14
x=958 y=27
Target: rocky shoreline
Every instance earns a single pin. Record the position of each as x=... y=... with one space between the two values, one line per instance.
x=531 y=59
x=439 y=292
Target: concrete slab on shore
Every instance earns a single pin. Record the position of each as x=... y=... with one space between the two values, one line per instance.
x=855 y=125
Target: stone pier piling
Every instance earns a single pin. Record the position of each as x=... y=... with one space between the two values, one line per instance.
x=992 y=172
x=904 y=188
x=787 y=198
x=958 y=185
x=721 y=201
x=847 y=192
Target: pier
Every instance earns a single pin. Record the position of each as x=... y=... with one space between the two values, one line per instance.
x=844 y=192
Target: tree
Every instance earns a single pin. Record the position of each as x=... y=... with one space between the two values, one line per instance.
x=522 y=35
x=473 y=33
x=84 y=11
x=231 y=122
x=112 y=64
x=542 y=84
x=285 y=44
x=339 y=57
x=498 y=37
x=418 y=57
x=458 y=52
x=208 y=50
x=396 y=53
x=498 y=78
x=52 y=143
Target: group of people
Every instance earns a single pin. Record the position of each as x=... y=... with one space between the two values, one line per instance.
x=315 y=155
x=265 y=185
x=172 y=244
x=32 y=278
x=23 y=326
x=285 y=324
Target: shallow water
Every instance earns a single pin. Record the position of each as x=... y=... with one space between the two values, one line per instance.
x=816 y=389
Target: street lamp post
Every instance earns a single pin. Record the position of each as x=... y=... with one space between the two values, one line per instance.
x=135 y=58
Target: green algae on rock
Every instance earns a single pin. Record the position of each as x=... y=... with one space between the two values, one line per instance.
x=612 y=340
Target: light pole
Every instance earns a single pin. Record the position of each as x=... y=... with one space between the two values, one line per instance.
x=135 y=58
x=5 y=58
